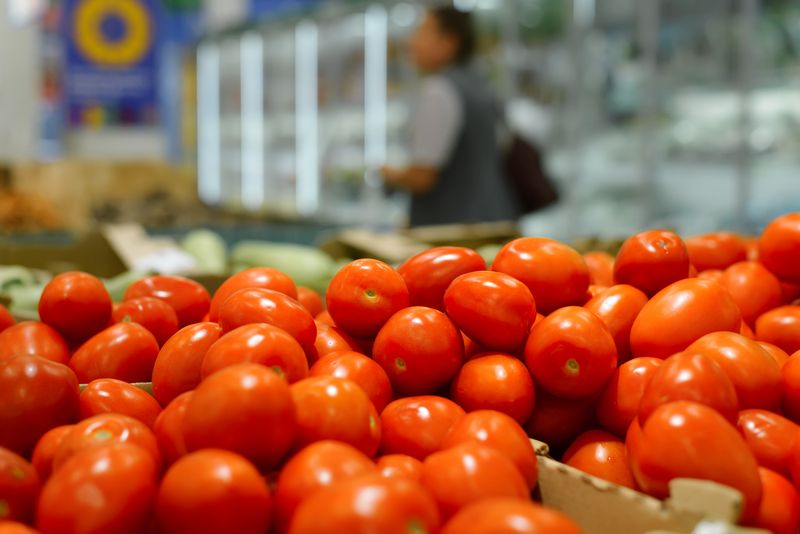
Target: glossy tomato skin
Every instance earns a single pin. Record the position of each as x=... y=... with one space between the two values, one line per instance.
x=772 y=438
x=265 y=426
x=259 y=343
x=19 y=487
x=781 y=327
x=399 y=465
x=154 y=314
x=362 y=370
x=256 y=277
x=495 y=382
x=571 y=353
x=619 y=402
x=428 y=274
x=76 y=304
x=13 y=527
x=601 y=268
x=122 y=479
x=107 y=395
x=46 y=449
x=711 y=274
x=311 y=300
x=35 y=396
x=178 y=364
x=189 y=299
x=556 y=274
x=125 y=351
x=652 y=260
x=618 y=307
x=332 y=339
x=168 y=428
x=779 y=511
x=212 y=491
x=791 y=293
x=689 y=440
x=779 y=247
x=717 y=250
x=602 y=455
x=754 y=289
x=790 y=387
x=558 y=421
x=690 y=377
x=6 y=319
x=681 y=313
x=35 y=339
x=420 y=349
x=778 y=354
x=364 y=294
x=417 y=426
x=509 y=516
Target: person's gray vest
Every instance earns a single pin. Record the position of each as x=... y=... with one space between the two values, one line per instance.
x=471 y=186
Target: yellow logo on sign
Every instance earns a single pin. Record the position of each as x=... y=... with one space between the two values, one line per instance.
x=112 y=32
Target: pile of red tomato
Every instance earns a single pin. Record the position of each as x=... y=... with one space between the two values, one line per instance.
x=407 y=405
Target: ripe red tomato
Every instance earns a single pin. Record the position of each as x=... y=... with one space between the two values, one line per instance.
x=778 y=354
x=35 y=396
x=570 y=353
x=19 y=487
x=716 y=250
x=76 y=304
x=317 y=466
x=618 y=306
x=399 y=465
x=177 y=367
x=311 y=300
x=188 y=298
x=495 y=382
x=691 y=377
x=601 y=268
x=781 y=327
x=46 y=449
x=362 y=370
x=325 y=318
x=416 y=426
x=469 y=472
x=12 y=527
x=500 y=432
x=259 y=343
x=779 y=247
x=555 y=273
x=772 y=438
x=790 y=387
x=6 y=319
x=619 y=403
x=329 y=407
x=601 y=455
x=122 y=481
x=212 y=491
x=107 y=395
x=689 y=440
x=396 y=506
x=428 y=274
x=363 y=295
x=33 y=338
x=256 y=277
x=791 y=293
x=509 y=516
x=125 y=351
x=168 y=428
x=420 y=349
x=558 y=421
x=680 y=314
x=154 y=314
x=754 y=373
x=332 y=339
x=779 y=511
x=754 y=289
x=652 y=260
x=710 y=274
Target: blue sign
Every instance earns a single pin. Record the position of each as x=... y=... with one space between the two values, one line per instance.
x=110 y=73
x=266 y=8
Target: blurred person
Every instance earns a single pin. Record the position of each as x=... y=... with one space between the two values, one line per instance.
x=456 y=172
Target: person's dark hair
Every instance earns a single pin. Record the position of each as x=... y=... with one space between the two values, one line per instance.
x=459 y=24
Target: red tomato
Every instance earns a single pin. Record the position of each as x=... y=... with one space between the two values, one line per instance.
x=471 y=349
x=751 y=245
x=469 y=472
x=329 y=407
x=332 y=339
x=362 y=370
x=33 y=338
x=396 y=506
x=416 y=426
x=771 y=438
x=12 y=527
x=618 y=306
x=168 y=428
x=46 y=449
x=754 y=373
x=311 y=300
x=35 y=396
x=746 y=331
x=189 y=299
x=601 y=268
x=691 y=377
x=122 y=481
x=428 y=274
x=710 y=274
x=779 y=247
x=779 y=511
x=364 y=294
x=265 y=424
x=19 y=487
x=400 y=465
x=601 y=455
x=6 y=319
x=791 y=293
x=495 y=382
x=652 y=260
x=778 y=354
x=680 y=314
x=177 y=367
x=790 y=386
x=557 y=421
x=107 y=395
x=125 y=351
x=717 y=250
x=420 y=349
x=555 y=273
x=619 y=403
x=500 y=432
x=689 y=440
x=76 y=304
x=256 y=277
x=325 y=318
x=781 y=327
x=154 y=314
x=754 y=289
x=570 y=353
x=213 y=491
x=259 y=343
x=509 y=516
x=317 y=466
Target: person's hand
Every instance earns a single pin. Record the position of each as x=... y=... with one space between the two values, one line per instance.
x=391 y=175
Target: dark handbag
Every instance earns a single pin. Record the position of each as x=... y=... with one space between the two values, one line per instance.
x=527 y=177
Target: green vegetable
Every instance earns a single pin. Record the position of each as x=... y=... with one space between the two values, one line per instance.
x=208 y=249
x=488 y=252
x=25 y=301
x=13 y=276
x=308 y=266
x=117 y=286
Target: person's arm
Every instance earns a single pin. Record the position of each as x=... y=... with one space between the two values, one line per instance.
x=417 y=179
